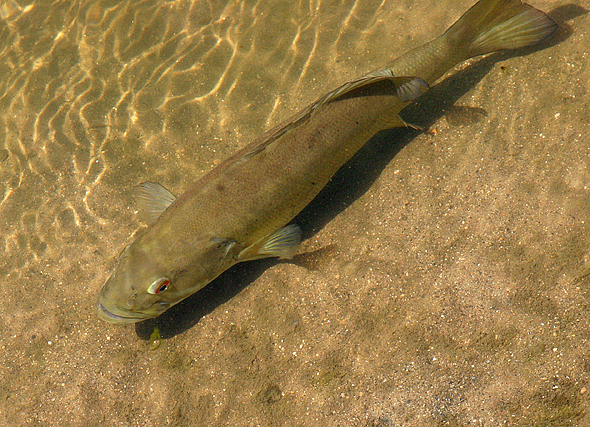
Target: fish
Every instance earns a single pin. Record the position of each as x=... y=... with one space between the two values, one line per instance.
x=243 y=209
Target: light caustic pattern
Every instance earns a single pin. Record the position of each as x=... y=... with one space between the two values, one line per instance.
x=98 y=96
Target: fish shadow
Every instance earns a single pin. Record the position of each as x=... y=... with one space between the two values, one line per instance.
x=349 y=183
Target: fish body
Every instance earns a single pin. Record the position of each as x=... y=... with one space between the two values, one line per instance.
x=241 y=209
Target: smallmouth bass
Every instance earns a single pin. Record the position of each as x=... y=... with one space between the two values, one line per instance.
x=241 y=210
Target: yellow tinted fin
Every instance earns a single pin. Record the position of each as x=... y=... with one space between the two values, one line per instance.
x=152 y=199
x=282 y=243
x=492 y=25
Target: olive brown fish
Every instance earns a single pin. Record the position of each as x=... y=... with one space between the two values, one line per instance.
x=241 y=209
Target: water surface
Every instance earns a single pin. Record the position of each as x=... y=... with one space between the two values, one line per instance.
x=444 y=279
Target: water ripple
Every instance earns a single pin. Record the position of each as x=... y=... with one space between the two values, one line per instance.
x=100 y=95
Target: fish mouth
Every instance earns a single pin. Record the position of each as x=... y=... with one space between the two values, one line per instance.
x=123 y=316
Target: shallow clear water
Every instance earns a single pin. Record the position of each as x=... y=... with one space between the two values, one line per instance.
x=444 y=279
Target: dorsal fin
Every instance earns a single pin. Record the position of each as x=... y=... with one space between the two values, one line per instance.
x=407 y=89
x=152 y=199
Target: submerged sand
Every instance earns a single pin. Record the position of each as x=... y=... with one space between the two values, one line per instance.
x=444 y=279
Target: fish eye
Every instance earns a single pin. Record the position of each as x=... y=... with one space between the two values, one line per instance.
x=159 y=286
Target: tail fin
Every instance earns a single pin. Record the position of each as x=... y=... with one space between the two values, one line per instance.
x=492 y=25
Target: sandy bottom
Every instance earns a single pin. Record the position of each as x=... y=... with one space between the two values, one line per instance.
x=444 y=279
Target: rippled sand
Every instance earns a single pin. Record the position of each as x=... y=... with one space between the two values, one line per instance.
x=444 y=280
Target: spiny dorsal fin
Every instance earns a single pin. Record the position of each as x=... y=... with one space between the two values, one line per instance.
x=152 y=199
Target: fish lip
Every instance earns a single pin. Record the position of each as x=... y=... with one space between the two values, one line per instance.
x=110 y=317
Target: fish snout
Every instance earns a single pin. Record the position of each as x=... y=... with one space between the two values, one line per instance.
x=114 y=307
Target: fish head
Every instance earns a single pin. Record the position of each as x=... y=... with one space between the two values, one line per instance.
x=148 y=280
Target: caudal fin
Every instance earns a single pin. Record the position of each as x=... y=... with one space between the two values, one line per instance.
x=492 y=25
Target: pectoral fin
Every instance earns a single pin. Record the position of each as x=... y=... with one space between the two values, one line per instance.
x=224 y=245
x=282 y=243
x=152 y=199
